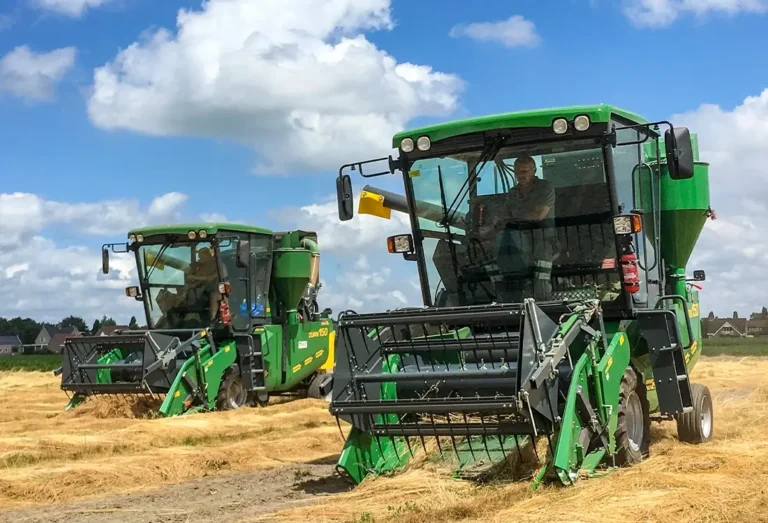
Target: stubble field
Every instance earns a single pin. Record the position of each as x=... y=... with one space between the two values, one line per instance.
x=108 y=461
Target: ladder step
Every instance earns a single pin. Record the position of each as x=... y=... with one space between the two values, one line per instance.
x=673 y=347
x=682 y=377
x=257 y=371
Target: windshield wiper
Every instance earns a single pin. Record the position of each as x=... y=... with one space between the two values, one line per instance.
x=490 y=150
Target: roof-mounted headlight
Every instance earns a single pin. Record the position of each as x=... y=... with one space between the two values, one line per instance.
x=132 y=237
x=203 y=234
x=191 y=235
x=560 y=126
x=406 y=145
x=424 y=143
x=582 y=123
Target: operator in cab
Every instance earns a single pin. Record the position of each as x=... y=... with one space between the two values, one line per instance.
x=528 y=239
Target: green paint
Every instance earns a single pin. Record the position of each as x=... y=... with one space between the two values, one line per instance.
x=105 y=375
x=205 y=372
x=210 y=228
x=566 y=460
x=535 y=118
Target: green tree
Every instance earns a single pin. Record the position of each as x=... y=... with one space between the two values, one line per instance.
x=133 y=323
x=74 y=321
x=108 y=322
x=96 y=327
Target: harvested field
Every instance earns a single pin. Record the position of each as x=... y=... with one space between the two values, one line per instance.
x=213 y=467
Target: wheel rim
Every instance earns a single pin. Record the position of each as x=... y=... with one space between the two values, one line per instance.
x=634 y=421
x=706 y=418
x=236 y=394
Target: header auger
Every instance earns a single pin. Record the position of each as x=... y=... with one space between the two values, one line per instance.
x=551 y=247
x=233 y=318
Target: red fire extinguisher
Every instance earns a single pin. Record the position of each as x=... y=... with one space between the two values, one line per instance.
x=226 y=317
x=630 y=273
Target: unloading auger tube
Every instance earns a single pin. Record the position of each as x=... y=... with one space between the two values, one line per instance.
x=491 y=380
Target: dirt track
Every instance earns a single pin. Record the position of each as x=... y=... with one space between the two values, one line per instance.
x=276 y=464
x=232 y=497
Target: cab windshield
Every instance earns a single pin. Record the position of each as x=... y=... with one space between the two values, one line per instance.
x=536 y=222
x=181 y=281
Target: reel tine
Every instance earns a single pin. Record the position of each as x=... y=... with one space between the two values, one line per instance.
x=437 y=438
x=485 y=440
x=519 y=452
x=408 y=443
x=469 y=437
x=394 y=446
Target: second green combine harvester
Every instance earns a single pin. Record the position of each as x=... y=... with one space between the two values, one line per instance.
x=232 y=317
x=551 y=247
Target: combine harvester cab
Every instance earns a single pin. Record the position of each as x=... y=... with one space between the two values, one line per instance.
x=232 y=314
x=558 y=320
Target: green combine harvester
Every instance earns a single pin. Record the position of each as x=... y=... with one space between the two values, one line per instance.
x=551 y=247
x=232 y=318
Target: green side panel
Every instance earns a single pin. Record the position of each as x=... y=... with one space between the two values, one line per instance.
x=290 y=274
x=610 y=370
x=202 y=371
x=105 y=375
x=536 y=118
x=308 y=349
x=272 y=350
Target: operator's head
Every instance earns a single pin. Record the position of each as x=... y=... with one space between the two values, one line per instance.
x=525 y=169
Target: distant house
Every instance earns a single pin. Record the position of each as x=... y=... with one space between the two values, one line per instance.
x=51 y=337
x=9 y=345
x=56 y=345
x=109 y=330
x=725 y=327
x=757 y=327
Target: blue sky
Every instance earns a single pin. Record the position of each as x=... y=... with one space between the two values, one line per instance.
x=78 y=144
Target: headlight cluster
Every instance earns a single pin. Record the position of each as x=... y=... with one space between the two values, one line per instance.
x=422 y=144
x=581 y=123
x=136 y=238
x=202 y=234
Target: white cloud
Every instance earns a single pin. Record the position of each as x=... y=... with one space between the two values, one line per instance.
x=516 y=31
x=73 y=8
x=33 y=76
x=734 y=248
x=46 y=281
x=662 y=13
x=22 y=214
x=305 y=92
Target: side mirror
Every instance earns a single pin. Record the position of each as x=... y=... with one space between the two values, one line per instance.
x=344 y=197
x=327 y=313
x=699 y=276
x=243 y=253
x=133 y=292
x=105 y=260
x=679 y=151
x=402 y=243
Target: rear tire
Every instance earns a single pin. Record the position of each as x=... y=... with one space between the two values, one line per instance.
x=313 y=391
x=633 y=431
x=232 y=394
x=697 y=426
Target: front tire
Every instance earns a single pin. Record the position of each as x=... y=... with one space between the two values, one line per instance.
x=232 y=394
x=633 y=431
x=697 y=426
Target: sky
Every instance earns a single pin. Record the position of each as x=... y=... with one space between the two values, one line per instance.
x=120 y=113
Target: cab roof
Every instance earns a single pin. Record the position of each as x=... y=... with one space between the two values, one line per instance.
x=209 y=227
x=601 y=113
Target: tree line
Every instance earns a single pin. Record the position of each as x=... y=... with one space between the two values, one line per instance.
x=27 y=329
